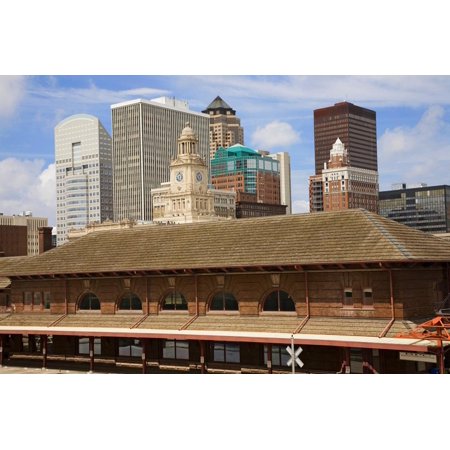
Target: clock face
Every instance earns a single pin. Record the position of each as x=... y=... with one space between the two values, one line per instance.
x=179 y=176
x=199 y=176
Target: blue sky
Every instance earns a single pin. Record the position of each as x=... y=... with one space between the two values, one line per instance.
x=413 y=122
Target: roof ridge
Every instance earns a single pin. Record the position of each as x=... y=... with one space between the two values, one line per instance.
x=387 y=234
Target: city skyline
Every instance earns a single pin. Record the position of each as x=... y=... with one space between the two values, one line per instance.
x=276 y=112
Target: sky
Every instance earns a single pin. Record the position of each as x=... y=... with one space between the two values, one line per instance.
x=276 y=112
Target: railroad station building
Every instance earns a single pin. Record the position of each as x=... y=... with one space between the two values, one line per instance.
x=231 y=296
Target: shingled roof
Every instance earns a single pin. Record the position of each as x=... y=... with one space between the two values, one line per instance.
x=345 y=237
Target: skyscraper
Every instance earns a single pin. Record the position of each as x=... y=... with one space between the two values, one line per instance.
x=224 y=127
x=355 y=126
x=145 y=135
x=356 y=129
x=83 y=173
x=285 y=178
x=346 y=187
x=254 y=176
x=243 y=169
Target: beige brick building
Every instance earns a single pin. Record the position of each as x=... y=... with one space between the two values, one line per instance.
x=187 y=197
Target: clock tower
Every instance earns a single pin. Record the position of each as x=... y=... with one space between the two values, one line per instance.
x=188 y=173
x=187 y=197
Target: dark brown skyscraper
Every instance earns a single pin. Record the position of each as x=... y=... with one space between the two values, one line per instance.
x=356 y=127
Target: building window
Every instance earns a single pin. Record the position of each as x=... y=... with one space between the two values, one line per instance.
x=348 y=297
x=31 y=343
x=130 y=302
x=279 y=301
x=27 y=298
x=47 y=300
x=224 y=301
x=89 y=302
x=226 y=352
x=368 y=298
x=280 y=356
x=172 y=349
x=83 y=346
x=37 y=299
x=174 y=301
x=130 y=348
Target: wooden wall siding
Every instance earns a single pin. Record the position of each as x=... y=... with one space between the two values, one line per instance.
x=415 y=292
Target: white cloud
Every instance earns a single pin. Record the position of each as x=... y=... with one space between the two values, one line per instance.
x=12 y=90
x=420 y=153
x=311 y=92
x=49 y=103
x=27 y=185
x=275 y=134
x=94 y=95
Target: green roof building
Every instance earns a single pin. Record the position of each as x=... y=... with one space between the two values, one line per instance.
x=243 y=169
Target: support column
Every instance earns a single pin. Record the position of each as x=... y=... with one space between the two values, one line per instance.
x=91 y=354
x=144 y=356
x=440 y=356
x=1 y=349
x=345 y=360
x=44 y=340
x=66 y=307
x=202 y=357
x=269 y=358
x=147 y=307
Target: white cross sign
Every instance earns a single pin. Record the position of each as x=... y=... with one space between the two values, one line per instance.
x=294 y=358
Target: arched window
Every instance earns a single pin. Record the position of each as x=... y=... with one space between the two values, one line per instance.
x=130 y=302
x=89 y=302
x=224 y=301
x=174 y=301
x=279 y=301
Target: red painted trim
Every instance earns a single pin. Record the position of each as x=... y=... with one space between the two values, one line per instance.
x=212 y=338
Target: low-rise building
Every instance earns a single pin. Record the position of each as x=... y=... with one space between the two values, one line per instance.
x=12 y=238
x=107 y=225
x=220 y=296
x=426 y=208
